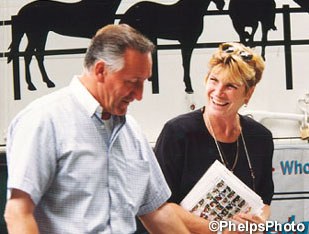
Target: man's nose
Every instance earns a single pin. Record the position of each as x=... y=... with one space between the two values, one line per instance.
x=138 y=92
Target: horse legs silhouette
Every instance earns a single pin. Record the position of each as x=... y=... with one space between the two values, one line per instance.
x=264 y=40
x=186 y=52
x=248 y=13
x=29 y=51
x=250 y=37
x=245 y=37
x=267 y=23
x=36 y=45
x=40 y=48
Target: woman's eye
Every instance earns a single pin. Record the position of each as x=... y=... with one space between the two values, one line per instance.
x=232 y=86
x=212 y=80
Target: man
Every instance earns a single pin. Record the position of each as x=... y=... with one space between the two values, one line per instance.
x=78 y=164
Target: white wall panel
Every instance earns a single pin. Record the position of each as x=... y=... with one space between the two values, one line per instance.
x=155 y=109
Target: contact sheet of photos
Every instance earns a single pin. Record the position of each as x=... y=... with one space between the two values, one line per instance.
x=221 y=203
x=219 y=195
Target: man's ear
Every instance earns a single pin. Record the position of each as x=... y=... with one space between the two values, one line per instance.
x=100 y=70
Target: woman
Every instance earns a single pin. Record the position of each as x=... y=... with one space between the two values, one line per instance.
x=190 y=143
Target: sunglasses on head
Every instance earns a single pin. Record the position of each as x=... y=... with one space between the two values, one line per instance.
x=228 y=48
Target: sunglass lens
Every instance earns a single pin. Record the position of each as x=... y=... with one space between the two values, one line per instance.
x=228 y=48
x=245 y=55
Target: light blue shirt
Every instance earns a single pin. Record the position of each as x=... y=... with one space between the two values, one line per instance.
x=84 y=175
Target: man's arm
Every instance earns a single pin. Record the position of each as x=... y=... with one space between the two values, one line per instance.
x=164 y=220
x=171 y=218
x=19 y=214
x=195 y=224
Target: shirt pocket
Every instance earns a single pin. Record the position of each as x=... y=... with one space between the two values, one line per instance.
x=137 y=180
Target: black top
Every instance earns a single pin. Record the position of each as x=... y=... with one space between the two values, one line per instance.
x=185 y=150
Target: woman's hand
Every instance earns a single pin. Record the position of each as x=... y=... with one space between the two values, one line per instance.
x=243 y=218
x=251 y=219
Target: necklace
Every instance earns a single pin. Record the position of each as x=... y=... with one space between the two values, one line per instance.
x=221 y=154
x=237 y=153
x=248 y=160
x=224 y=158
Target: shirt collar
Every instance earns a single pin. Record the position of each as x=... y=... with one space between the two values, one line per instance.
x=84 y=97
x=90 y=104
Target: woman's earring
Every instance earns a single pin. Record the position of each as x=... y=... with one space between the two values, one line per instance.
x=245 y=105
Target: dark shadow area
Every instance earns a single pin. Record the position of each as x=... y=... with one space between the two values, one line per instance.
x=3 y=179
x=304 y=4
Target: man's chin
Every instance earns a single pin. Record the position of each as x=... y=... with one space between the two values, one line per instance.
x=121 y=111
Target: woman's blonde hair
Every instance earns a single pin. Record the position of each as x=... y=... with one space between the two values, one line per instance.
x=242 y=63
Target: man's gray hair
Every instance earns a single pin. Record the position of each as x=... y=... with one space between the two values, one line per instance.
x=110 y=43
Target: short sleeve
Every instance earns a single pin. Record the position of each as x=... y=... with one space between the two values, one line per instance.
x=157 y=191
x=30 y=154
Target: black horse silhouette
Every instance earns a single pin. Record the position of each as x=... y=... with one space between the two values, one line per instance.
x=182 y=21
x=36 y=19
x=248 y=13
x=303 y=4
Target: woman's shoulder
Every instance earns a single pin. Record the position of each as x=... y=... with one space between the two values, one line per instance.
x=187 y=118
x=253 y=127
x=190 y=121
